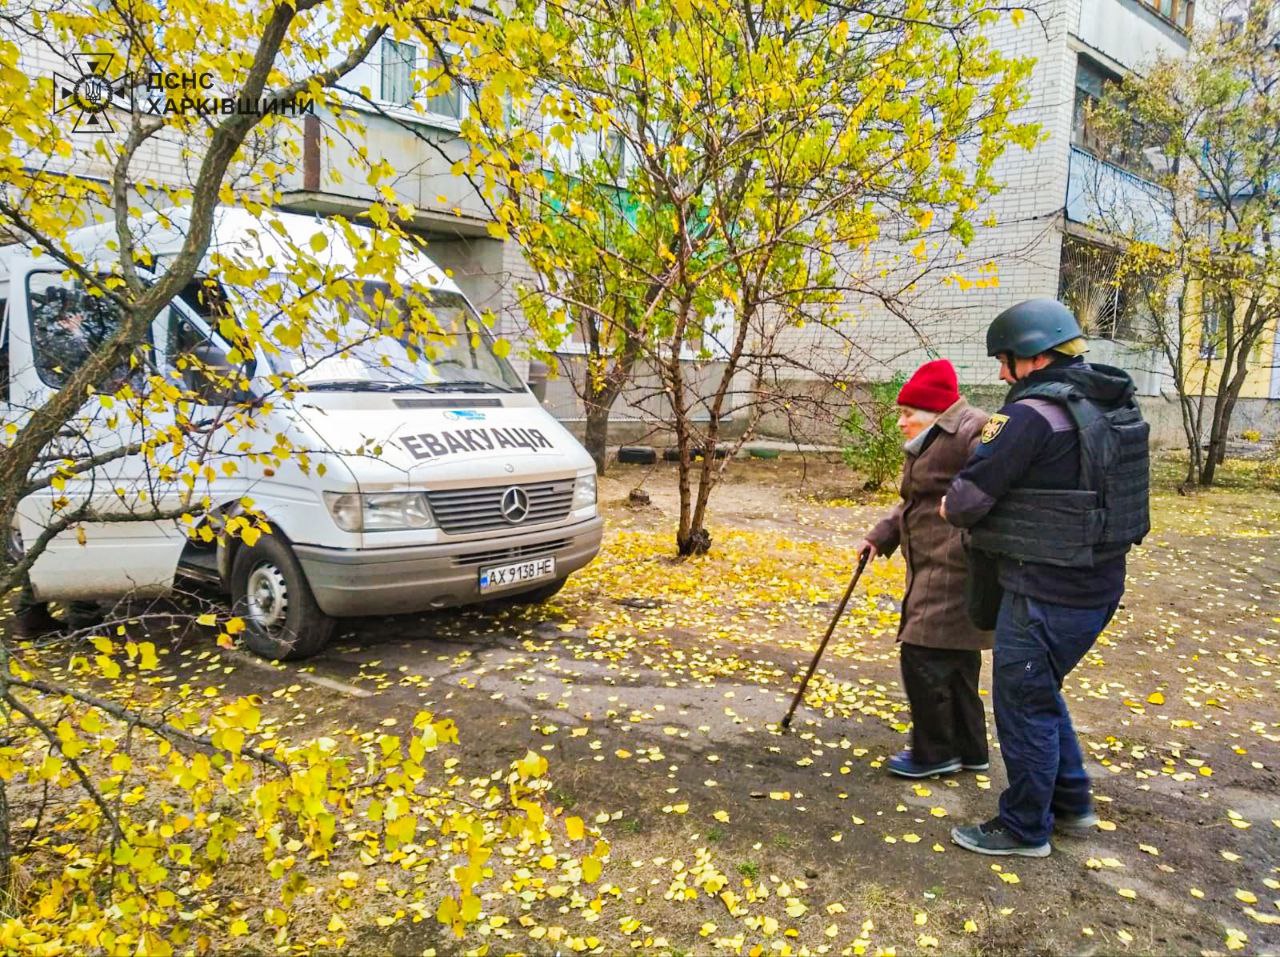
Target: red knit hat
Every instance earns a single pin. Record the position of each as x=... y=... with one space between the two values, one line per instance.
x=933 y=387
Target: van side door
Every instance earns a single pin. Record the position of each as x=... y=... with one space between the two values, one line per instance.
x=118 y=547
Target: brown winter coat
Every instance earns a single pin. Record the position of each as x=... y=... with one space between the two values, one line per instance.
x=933 y=607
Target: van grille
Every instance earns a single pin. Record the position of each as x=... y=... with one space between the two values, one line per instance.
x=461 y=511
x=497 y=555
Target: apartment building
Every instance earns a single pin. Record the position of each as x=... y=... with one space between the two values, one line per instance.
x=1046 y=240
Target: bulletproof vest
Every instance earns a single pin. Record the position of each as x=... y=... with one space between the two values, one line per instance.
x=1104 y=515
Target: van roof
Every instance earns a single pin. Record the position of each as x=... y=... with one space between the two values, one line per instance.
x=268 y=237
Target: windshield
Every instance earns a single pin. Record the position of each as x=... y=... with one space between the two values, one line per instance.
x=426 y=339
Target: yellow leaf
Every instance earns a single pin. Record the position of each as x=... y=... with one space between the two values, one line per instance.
x=1246 y=897
x=575 y=828
x=147 y=658
x=721 y=816
x=1155 y=698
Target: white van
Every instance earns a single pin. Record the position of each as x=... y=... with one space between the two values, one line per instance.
x=418 y=484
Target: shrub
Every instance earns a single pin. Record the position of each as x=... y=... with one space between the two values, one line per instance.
x=872 y=443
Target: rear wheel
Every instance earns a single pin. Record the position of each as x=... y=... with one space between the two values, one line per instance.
x=270 y=592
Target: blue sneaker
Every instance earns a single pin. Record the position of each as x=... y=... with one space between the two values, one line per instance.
x=905 y=766
x=1077 y=825
x=994 y=838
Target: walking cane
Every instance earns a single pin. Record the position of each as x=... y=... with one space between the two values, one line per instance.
x=813 y=665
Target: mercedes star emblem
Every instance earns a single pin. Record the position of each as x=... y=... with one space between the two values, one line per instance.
x=515 y=504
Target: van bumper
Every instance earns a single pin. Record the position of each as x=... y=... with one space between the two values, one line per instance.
x=398 y=581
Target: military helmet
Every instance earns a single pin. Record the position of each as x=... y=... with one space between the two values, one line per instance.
x=1032 y=327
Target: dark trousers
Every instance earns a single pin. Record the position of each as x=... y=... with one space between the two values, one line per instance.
x=946 y=713
x=1037 y=645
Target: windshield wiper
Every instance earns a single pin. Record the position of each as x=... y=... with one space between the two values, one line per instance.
x=349 y=385
x=375 y=385
x=413 y=387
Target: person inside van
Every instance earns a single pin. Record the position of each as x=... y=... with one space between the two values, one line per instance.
x=62 y=338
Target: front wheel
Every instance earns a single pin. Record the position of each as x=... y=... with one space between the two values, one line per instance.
x=270 y=592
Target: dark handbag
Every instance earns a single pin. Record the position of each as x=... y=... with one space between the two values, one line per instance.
x=982 y=591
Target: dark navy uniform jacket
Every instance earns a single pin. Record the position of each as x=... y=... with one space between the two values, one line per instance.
x=1032 y=443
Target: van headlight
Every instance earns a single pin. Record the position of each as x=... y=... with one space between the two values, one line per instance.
x=584 y=490
x=379 y=511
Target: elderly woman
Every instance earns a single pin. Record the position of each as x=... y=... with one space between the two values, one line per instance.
x=941 y=649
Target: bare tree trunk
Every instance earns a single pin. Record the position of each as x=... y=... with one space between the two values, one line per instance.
x=1227 y=415
x=690 y=538
x=6 y=856
x=1215 y=438
x=1223 y=407
x=596 y=434
x=1192 y=434
x=706 y=480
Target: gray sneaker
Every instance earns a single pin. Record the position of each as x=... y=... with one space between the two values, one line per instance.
x=1075 y=824
x=994 y=839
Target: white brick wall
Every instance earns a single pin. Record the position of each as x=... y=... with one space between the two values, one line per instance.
x=1024 y=244
x=940 y=319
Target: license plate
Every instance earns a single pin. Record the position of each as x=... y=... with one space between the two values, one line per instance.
x=517 y=573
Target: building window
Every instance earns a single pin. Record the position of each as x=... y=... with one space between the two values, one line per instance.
x=1091 y=82
x=1128 y=149
x=1090 y=284
x=398 y=63
x=450 y=102
x=1181 y=13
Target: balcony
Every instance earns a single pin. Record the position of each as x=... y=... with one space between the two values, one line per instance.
x=1132 y=32
x=333 y=179
x=1114 y=201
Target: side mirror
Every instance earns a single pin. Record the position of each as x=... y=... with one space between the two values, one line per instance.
x=538 y=372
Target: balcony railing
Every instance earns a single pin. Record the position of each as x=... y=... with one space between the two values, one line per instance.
x=1114 y=201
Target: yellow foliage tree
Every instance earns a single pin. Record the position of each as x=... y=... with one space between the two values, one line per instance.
x=729 y=173
x=127 y=801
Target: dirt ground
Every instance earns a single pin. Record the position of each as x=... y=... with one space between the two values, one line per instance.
x=654 y=688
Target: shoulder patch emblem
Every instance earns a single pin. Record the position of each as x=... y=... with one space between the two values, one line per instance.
x=993 y=427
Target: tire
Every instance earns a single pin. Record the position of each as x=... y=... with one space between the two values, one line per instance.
x=637 y=455
x=534 y=596
x=270 y=592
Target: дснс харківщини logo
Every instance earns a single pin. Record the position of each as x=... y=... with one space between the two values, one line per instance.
x=92 y=94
